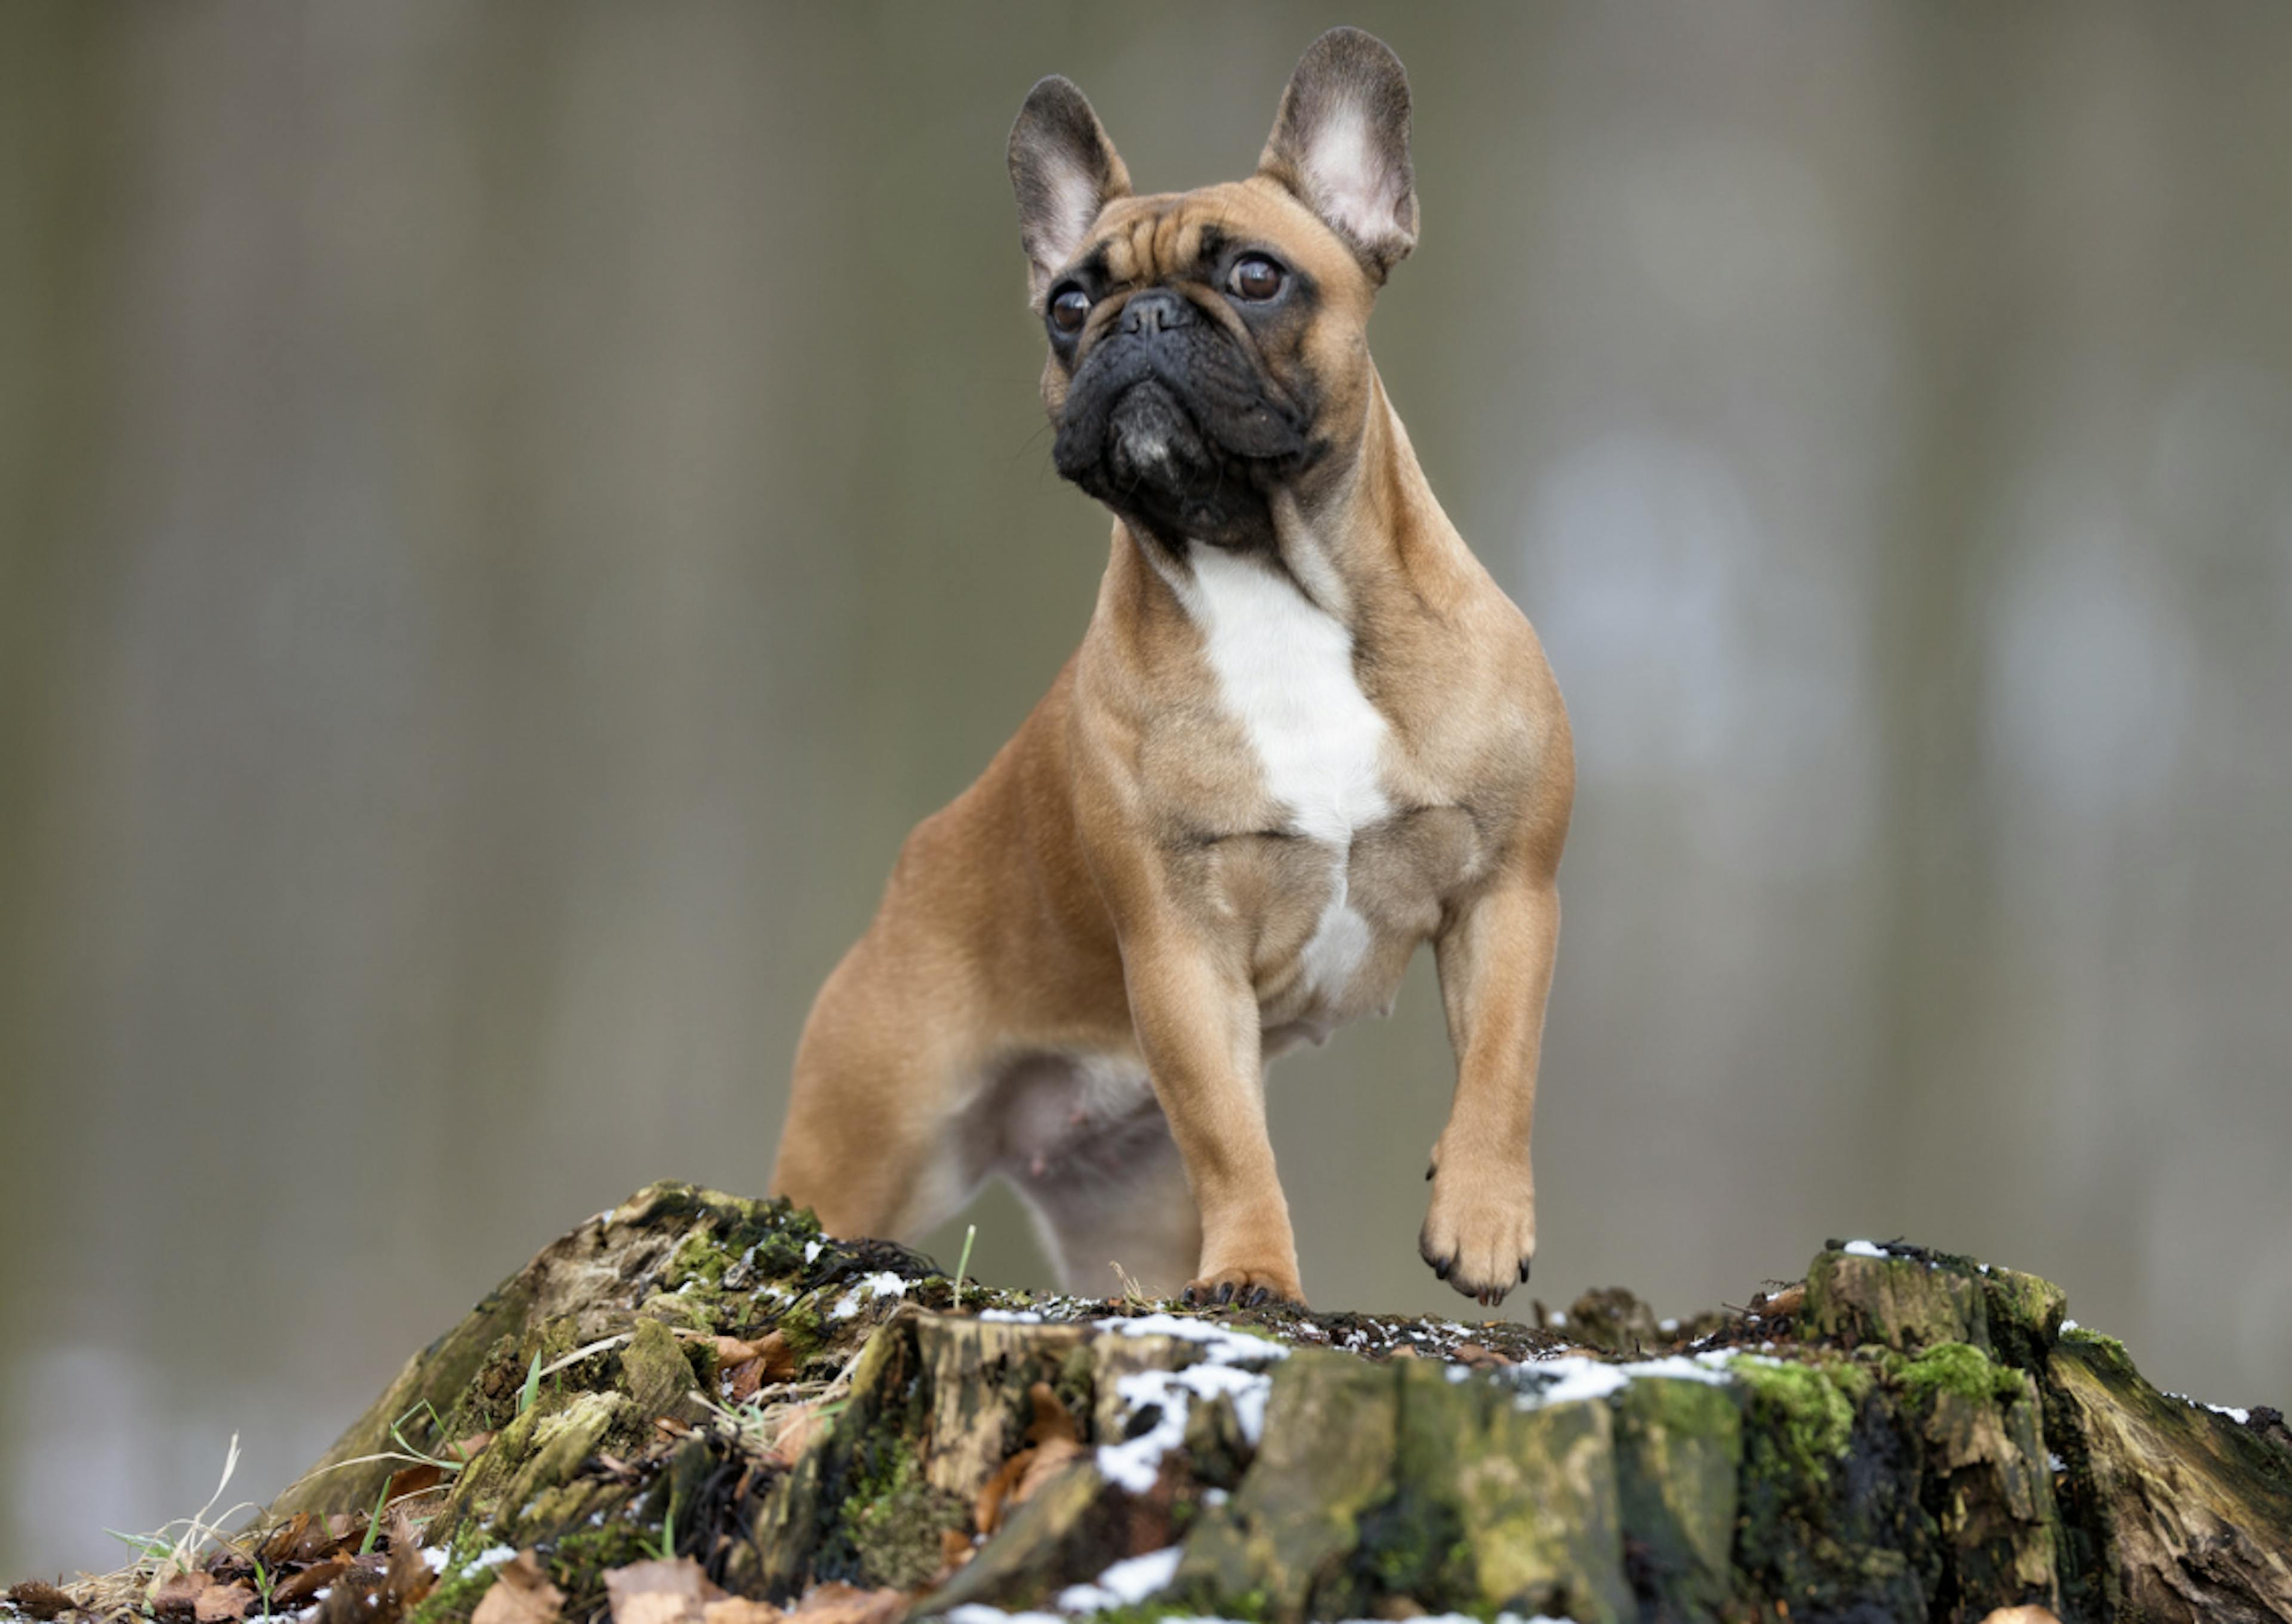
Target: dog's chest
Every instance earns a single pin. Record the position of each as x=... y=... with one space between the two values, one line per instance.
x=1284 y=677
x=1284 y=671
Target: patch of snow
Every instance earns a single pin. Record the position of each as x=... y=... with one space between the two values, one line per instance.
x=1863 y=1248
x=1674 y=1367
x=603 y=1219
x=811 y=1250
x=492 y=1557
x=876 y=1287
x=1576 y=1379
x=1667 y=1327
x=1215 y=1497
x=1223 y=1346
x=1122 y=1585
x=1458 y=1373
x=437 y=1557
x=2055 y=1463
x=979 y=1612
x=1010 y=1316
x=2238 y=1416
x=1556 y=1319
x=1570 y=1378
x=2069 y=1325
x=1135 y=1463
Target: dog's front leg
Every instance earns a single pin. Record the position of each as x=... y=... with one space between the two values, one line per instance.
x=1494 y=960
x=1197 y=1020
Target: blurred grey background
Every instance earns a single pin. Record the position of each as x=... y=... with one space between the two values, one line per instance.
x=509 y=511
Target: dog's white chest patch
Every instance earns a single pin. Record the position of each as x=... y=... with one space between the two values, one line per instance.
x=1285 y=672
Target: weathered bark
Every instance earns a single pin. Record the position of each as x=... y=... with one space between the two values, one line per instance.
x=1909 y=1436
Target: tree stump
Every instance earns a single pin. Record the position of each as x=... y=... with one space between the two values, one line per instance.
x=1904 y=1435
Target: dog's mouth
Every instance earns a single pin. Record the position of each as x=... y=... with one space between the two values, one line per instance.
x=1179 y=440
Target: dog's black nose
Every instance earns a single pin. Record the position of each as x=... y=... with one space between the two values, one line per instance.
x=1157 y=309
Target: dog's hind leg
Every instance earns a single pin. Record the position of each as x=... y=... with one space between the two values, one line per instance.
x=1114 y=1196
x=875 y=1141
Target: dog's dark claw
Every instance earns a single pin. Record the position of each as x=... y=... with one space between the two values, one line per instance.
x=1430 y=1168
x=1225 y=1292
x=1440 y=1268
x=1523 y=1268
x=1257 y=1299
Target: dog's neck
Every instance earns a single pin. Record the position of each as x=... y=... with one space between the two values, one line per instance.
x=1373 y=531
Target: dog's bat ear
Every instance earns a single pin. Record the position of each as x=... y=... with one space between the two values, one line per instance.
x=1340 y=145
x=1064 y=171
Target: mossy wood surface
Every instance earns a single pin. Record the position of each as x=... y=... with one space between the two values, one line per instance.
x=1908 y=1435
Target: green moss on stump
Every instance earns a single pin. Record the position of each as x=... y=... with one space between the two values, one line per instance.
x=1964 y=1369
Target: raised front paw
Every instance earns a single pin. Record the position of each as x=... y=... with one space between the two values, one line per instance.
x=1480 y=1232
x=1249 y=1287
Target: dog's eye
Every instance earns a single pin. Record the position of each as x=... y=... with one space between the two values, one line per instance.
x=1254 y=277
x=1070 y=309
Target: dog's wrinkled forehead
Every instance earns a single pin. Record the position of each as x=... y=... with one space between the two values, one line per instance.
x=1144 y=242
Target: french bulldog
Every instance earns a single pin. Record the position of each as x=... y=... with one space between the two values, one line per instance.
x=1305 y=733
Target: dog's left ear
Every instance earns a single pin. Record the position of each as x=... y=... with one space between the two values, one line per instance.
x=1340 y=145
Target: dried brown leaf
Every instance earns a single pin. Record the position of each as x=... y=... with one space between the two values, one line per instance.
x=746 y=1378
x=741 y=1610
x=987 y=1508
x=217 y=1604
x=843 y=1604
x=42 y=1601
x=1051 y=1418
x=346 y=1602
x=521 y=1593
x=797 y=1431
x=299 y=1587
x=956 y=1550
x=177 y=1593
x=407 y=1579
x=415 y=1479
x=779 y=1358
x=1050 y=1459
x=283 y=1544
x=659 y=1592
x=1788 y=1301
x=1053 y=1440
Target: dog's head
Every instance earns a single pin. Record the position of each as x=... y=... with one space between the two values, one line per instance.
x=1209 y=347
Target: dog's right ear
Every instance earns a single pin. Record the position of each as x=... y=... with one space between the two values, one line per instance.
x=1064 y=170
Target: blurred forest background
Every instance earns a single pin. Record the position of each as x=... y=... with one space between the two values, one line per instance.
x=509 y=511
